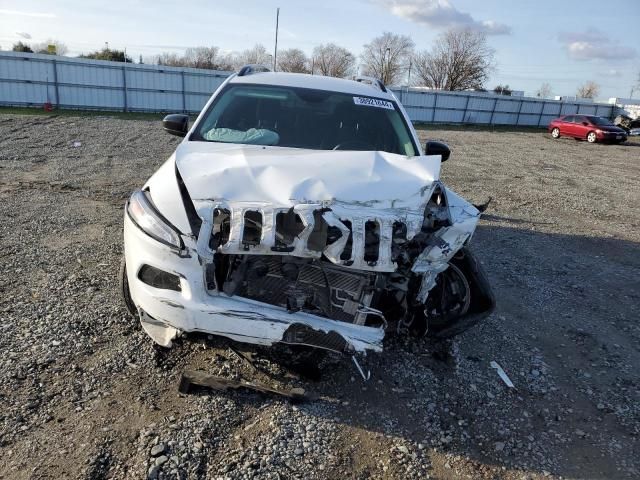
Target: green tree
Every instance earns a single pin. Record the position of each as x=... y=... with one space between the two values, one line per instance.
x=21 y=47
x=43 y=47
x=108 y=54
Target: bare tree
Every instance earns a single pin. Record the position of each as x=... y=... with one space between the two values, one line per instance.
x=293 y=60
x=207 y=57
x=387 y=57
x=502 y=90
x=544 y=91
x=589 y=90
x=459 y=60
x=333 y=61
x=168 y=58
x=43 y=47
x=256 y=55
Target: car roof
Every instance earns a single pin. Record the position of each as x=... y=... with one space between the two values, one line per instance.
x=317 y=82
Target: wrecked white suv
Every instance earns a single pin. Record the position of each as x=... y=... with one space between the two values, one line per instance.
x=301 y=210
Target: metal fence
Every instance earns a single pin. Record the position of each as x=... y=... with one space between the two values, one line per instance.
x=28 y=79
x=491 y=109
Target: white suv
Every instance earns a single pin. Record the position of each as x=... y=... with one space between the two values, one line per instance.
x=301 y=210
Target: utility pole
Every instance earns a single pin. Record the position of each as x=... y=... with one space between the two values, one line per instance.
x=275 y=50
x=409 y=76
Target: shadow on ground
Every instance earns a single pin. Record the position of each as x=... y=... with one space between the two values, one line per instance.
x=562 y=331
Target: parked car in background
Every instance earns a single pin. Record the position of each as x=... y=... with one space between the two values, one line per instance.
x=587 y=127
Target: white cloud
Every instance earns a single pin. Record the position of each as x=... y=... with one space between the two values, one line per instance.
x=24 y=35
x=27 y=14
x=494 y=28
x=612 y=73
x=594 y=44
x=441 y=14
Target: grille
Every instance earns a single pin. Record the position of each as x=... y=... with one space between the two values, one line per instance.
x=363 y=237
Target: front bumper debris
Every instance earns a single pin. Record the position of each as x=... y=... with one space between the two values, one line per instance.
x=165 y=313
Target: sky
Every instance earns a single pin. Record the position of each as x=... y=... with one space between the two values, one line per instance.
x=563 y=43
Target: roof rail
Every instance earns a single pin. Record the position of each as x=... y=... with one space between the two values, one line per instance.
x=374 y=82
x=253 y=68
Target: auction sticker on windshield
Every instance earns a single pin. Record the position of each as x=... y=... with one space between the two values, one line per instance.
x=373 y=102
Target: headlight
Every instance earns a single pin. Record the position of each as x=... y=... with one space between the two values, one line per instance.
x=150 y=221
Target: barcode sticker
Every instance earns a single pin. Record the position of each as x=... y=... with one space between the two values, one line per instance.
x=373 y=102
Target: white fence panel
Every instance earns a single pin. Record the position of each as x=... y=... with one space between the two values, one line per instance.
x=110 y=99
x=73 y=74
x=34 y=79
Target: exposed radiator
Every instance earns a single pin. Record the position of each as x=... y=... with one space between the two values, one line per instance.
x=335 y=292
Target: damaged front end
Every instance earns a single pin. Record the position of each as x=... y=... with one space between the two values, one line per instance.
x=336 y=274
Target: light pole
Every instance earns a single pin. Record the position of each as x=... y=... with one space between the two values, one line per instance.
x=275 y=50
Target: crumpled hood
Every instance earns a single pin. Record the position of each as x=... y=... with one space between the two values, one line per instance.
x=286 y=176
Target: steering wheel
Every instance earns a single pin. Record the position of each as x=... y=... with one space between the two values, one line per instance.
x=353 y=145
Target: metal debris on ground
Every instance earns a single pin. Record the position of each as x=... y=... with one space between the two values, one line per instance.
x=505 y=378
x=366 y=376
x=195 y=377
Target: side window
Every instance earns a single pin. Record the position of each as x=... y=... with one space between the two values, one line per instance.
x=570 y=119
x=580 y=119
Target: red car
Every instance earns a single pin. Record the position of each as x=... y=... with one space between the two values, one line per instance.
x=587 y=127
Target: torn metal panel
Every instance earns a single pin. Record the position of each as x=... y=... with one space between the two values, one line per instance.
x=161 y=332
x=446 y=242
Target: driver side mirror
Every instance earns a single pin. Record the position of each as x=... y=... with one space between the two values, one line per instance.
x=176 y=124
x=437 y=148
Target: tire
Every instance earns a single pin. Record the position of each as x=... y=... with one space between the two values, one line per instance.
x=592 y=137
x=555 y=133
x=124 y=289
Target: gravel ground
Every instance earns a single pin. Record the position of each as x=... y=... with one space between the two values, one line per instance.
x=85 y=394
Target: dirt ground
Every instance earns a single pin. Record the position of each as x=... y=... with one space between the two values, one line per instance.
x=85 y=394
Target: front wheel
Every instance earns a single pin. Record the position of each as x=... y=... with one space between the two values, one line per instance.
x=555 y=133
x=591 y=137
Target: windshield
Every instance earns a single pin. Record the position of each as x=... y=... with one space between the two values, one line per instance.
x=305 y=118
x=600 y=121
